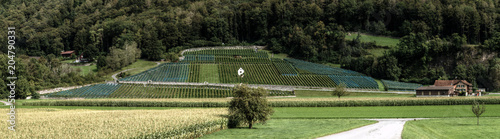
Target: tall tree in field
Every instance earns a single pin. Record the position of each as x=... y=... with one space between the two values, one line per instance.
x=340 y=91
x=249 y=105
x=478 y=109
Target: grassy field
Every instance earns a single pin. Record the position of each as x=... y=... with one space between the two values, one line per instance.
x=327 y=94
x=333 y=65
x=209 y=73
x=86 y=69
x=381 y=86
x=271 y=55
x=291 y=128
x=379 y=40
x=377 y=52
x=452 y=128
x=85 y=123
x=68 y=61
x=139 y=66
x=382 y=112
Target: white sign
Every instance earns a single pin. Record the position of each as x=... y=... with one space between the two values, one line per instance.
x=241 y=71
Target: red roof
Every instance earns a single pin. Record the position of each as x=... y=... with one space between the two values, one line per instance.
x=450 y=82
x=67 y=52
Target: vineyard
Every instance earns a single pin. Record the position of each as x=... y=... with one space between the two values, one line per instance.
x=167 y=72
x=153 y=91
x=93 y=91
x=221 y=66
x=400 y=86
x=259 y=69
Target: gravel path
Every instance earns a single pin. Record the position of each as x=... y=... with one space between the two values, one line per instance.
x=384 y=129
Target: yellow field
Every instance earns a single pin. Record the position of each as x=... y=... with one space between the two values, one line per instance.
x=81 y=123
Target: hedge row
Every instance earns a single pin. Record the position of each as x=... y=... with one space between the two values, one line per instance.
x=337 y=103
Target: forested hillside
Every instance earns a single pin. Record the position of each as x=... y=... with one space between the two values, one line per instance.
x=441 y=39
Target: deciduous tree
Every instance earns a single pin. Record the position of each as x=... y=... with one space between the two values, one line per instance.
x=478 y=109
x=249 y=105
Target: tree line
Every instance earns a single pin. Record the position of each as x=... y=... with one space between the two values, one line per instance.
x=45 y=72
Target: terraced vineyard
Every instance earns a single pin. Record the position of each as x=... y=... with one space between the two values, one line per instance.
x=221 y=66
x=268 y=74
x=259 y=69
x=153 y=91
x=167 y=72
x=400 y=86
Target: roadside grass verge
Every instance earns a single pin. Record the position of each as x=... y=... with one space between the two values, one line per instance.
x=453 y=128
x=448 y=111
x=291 y=128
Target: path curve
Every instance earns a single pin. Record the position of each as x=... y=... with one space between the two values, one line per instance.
x=114 y=75
x=384 y=129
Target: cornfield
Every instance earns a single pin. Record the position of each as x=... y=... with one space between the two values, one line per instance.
x=82 y=123
x=278 y=102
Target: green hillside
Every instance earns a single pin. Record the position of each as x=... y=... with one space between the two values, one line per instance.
x=221 y=66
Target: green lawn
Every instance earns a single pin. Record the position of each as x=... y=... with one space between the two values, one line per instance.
x=452 y=128
x=291 y=128
x=382 y=112
x=315 y=93
x=86 y=69
x=209 y=73
x=379 y=40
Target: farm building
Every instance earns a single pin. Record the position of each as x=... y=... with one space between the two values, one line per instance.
x=67 y=53
x=435 y=91
x=446 y=88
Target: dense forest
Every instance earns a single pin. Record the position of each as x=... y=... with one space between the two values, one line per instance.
x=440 y=39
